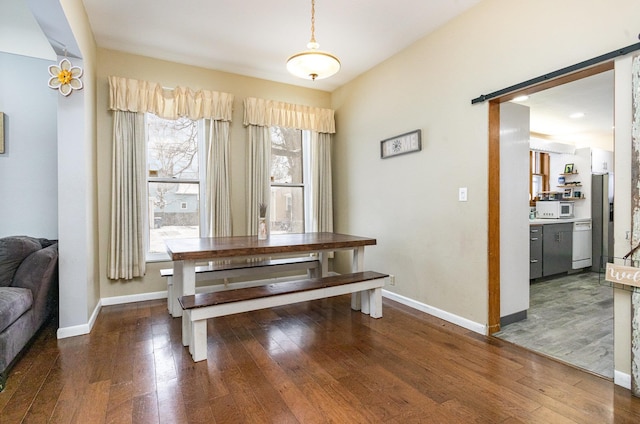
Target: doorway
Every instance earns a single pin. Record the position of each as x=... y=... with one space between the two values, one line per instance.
x=494 y=188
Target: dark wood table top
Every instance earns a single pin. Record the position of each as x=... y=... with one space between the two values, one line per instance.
x=204 y=248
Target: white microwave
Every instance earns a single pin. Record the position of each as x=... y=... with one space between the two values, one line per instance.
x=554 y=209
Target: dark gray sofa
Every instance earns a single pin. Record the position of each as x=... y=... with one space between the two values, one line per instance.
x=28 y=293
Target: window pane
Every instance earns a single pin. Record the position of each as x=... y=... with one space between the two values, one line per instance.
x=173 y=213
x=286 y=156
x=173 y=147
x=287 y=210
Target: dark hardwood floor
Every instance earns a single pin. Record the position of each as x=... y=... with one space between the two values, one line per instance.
x=315 y=362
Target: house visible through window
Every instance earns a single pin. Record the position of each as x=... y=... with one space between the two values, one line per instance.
x=288 y=167
x=175 y=181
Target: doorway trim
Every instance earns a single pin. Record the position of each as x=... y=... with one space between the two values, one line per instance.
x=493 y=219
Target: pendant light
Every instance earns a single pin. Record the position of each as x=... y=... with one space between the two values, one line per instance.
x=313 y=64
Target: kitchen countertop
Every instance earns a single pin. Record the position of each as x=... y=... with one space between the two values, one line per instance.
x=542 y=221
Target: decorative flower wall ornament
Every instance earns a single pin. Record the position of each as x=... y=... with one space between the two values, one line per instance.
x=65 y=77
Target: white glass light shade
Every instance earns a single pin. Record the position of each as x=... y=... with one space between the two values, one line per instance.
x=313 y=64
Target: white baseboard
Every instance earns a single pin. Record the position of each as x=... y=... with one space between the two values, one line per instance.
x=447 y=316
x=622 y=379
x=121 y=300
x=79 y=330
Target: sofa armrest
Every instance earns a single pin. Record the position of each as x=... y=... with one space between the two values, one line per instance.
x=39 y=273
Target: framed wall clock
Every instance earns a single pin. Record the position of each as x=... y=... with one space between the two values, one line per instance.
x=401 y=144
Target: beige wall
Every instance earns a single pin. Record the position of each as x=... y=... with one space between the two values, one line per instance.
x=170 y=75
x=434 y=245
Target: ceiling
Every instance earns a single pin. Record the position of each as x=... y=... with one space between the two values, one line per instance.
x=551 y=111
x=255 y=37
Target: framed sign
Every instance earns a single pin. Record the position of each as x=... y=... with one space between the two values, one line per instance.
x=401 y=144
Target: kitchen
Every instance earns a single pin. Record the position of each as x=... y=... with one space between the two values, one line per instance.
x=567 y=312
x=570 y=211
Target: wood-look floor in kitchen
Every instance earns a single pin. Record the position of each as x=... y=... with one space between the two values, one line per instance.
x=570 y=318
x=314 y=362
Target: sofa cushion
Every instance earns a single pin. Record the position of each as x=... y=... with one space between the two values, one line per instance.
x=13 y=250
x=14 y=301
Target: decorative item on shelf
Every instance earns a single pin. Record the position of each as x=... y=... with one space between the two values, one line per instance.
x=65 y=77
x=561 y=180
x=262 y=222
x=568 y=168
x=313 y=63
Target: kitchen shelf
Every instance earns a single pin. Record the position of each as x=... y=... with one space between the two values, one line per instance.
x=569 y=186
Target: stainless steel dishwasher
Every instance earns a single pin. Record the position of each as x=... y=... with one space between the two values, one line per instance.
x=581 y=257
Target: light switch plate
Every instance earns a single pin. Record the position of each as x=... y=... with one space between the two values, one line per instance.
x=462 y=194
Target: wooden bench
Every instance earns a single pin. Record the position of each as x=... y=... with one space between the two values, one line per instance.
x=202 y=306
x=238 y=269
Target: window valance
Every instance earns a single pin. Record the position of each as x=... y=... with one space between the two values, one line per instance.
x=269 y=113
x=132 y=95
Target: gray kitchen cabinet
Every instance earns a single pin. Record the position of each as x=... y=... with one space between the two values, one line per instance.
x=535 y=251
x=557 y=245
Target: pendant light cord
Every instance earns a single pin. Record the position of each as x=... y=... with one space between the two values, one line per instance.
x=313 y=21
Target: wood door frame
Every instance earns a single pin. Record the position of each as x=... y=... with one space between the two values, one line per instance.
x=493 y=220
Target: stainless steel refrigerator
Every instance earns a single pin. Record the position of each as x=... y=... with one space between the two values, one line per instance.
x=602 y=220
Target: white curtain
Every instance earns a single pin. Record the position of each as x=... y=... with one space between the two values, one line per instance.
x=258 y=174
x=218 y=199
x=130 y=99
x=321 y=183
x=126 y=256
x=259 y=115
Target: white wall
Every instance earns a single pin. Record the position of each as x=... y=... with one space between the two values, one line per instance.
x=28 y=168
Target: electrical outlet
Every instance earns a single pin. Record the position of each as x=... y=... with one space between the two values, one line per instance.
x=392 y=280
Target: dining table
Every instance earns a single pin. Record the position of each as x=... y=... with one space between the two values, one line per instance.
x=187 y=252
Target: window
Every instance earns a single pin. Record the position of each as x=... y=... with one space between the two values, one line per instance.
x=538 y=175
x=175 y=181
x=289 y=167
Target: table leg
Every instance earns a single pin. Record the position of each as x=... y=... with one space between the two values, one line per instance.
x=324 y=263
x=358 y=301
x=176 y=310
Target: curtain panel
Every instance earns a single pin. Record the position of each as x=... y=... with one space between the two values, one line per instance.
x=321 y=183
x=126 y=256
x=258 y=182
x=218 y=199
x=269 y=113
x=143 y=96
